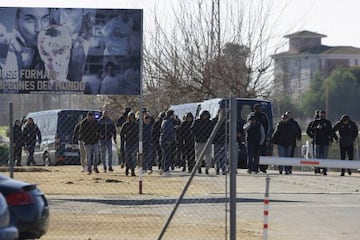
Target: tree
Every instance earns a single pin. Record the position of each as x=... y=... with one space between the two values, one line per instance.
x=342 y=90
x=204 y=57
x=313 y=98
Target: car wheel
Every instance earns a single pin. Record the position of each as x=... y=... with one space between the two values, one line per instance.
x=46 y=159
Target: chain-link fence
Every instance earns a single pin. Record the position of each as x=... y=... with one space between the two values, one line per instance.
x=157 y=191
x=66 y=152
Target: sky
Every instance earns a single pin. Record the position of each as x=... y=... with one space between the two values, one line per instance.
x=337 y=19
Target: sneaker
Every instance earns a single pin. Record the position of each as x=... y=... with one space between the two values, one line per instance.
x=160 y=171
x=82 y=169
x=199 y=170
x=349 y=171
x=342 y=174
x=206 y=172
x=96 y=170
x=127 y=172
x=263 y=170
x=248 y=171
x=89 y=172
x=111 y=169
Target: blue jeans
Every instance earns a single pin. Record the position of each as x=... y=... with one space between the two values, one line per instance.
x=284 y=151
x=168 y=151
x=253 y=151
x=321 y=152
x=131 y=155
x=31 y=149
x=220 y=157
x=106 y=146
x=148 y=155
x=92 y=155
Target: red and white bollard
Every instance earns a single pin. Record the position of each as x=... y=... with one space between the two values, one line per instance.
x=266 y=209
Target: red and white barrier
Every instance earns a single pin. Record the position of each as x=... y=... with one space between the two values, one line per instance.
x=328 y=163
x=266 y=209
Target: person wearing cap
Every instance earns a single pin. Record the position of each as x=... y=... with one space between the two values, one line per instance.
x=284 y=137
x=320 y=130
x=348 y=132
x=255 y=137
x=262 y=118
x=89 y=133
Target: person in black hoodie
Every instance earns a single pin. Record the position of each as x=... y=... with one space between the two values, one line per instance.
x=31 y=131
x=187 y=140
x=89 y=133
x=320 y=130
x=130 y=133
x=284 y=136
x=18 y=142
x=348 y=132
x=298 y=134
x=201 y=130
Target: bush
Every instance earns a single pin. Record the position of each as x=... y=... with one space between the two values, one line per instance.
x=4 y=154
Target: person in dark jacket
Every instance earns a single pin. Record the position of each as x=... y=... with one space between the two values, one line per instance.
x=107 y=133
x=89 y=132
x=187 y=140
x=76 y=140
x=148 y=154
x=167 y=141
x=31 y=131
x=263 y=119
x=18 y=142
x=348 y=132
x=119 y=123
x=156 y=136
x=320 y=130
x=201 y=130
x=255 y=137
x=298 y=134
x=130 y=133
x=284 y=136
x=220 y=144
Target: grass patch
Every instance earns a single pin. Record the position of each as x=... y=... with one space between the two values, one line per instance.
x=3 y=131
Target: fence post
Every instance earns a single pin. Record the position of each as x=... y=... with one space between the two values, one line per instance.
x=233 y=166
x=266 y=209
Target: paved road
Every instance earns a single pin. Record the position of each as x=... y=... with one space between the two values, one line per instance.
x=302 y=205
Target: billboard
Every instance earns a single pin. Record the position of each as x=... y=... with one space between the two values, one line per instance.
x=70 y=50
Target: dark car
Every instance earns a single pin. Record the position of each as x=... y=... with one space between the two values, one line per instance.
x=29 y=209
x=7 y=231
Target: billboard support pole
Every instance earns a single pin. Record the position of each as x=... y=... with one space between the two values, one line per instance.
x=11 y=144
x=140 y=154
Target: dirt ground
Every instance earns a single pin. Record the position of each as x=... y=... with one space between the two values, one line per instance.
x=109 y=206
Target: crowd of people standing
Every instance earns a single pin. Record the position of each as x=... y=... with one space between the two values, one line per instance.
x=169 y=142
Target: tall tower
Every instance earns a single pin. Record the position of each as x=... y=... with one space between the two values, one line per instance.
x=215 y=27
